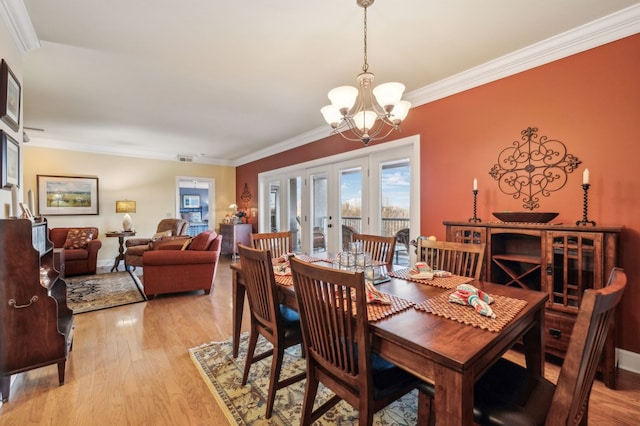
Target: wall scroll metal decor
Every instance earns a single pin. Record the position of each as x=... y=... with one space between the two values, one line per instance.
x=533 y=167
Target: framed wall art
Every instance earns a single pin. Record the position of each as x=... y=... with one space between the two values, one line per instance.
x=190 y=201
x=67 y=195
x=9 y=97
x=10 y=161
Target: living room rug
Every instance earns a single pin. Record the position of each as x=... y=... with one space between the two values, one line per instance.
x=88 y=293
x=245 y=405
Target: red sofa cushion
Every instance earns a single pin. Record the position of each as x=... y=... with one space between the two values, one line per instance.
x=202 y=241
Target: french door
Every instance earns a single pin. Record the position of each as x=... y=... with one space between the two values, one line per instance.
x=372 y=191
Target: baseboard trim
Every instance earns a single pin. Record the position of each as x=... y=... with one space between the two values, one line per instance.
x=628 y=360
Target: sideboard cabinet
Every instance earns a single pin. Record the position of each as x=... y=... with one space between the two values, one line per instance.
x=560 y=260
x=36 y=326
x=232 y=234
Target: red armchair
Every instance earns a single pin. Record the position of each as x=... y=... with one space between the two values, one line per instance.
x=170 y=267
x=81 y=247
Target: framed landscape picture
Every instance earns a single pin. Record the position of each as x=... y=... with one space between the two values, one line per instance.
x=67 y=195
x=9 y=97
x=9 y=161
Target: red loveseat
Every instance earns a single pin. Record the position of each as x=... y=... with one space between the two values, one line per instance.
x=80 y=249
x=170 y=267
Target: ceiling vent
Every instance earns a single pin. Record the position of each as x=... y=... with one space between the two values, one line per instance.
x=185 y=158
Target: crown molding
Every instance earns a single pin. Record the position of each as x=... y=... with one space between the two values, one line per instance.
x=16 y=18
x=616 y=26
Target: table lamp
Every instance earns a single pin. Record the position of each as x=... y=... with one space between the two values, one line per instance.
x=126 y=207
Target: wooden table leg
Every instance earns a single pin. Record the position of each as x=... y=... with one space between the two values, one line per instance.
x=238 y=293
x=453 y=400
x=533 y=341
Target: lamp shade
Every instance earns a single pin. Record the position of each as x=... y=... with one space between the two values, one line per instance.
x=388 y=94
x=343 y=97
x=125 y=206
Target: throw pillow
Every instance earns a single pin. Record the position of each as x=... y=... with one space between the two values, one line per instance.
x=159 y=235
x=186 y=244
x=78 y=238
x=202 y=240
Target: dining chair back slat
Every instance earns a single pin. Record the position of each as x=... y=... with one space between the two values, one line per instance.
x=458 y=258
x=266 y=319
x=335 y=328
x=278 y=243
x=381 y=248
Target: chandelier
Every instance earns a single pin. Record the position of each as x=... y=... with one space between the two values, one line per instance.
x=365 y=113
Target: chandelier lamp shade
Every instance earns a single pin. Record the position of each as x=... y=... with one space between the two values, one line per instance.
x=126 y=207
x=366 y=113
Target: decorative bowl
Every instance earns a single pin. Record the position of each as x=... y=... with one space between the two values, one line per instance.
x=525 y=217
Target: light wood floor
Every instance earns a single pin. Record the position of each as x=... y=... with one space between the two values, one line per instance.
x=130 y=366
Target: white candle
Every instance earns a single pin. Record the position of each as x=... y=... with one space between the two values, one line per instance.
x=475 y=184
x=14 y=201
x=585 y=177
x=30 y=201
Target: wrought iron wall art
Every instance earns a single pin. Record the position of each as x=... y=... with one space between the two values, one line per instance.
x=245 y=196
x=533 y=167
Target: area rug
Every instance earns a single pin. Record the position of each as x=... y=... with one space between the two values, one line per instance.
x=245 y=405
x=88 y=293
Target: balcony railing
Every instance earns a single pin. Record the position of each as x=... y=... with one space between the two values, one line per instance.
x=390 y=226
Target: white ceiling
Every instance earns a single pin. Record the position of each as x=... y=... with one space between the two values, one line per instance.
x=224 y=81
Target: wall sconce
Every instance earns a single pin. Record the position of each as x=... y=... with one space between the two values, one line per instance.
x=126 y=207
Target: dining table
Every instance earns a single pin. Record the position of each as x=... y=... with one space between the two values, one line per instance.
x=428 y=336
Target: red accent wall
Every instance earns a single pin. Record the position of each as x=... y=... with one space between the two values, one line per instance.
x=590 y=101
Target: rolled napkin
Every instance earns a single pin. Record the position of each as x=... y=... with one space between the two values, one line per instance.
x=282 y=269
x=422 y=271
x=375 y=296
x=481 y=294
x=471 y=298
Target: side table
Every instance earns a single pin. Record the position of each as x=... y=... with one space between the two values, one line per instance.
x=121 y=235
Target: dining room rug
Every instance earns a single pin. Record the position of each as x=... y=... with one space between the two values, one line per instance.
x=86 y=293
x=245 y=405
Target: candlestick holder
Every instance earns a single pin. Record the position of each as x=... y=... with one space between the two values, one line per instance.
x=475 y=204
x=585 y=207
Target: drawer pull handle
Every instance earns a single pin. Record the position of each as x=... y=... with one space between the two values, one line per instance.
x=555 y=333
x=12 y=303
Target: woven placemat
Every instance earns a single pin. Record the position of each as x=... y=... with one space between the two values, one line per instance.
x=377 y=311
x=505 y=309
x=449 y=282
x=307 y=258
x=284 y=280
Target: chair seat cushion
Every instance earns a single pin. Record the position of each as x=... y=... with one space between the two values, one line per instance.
x=75 y=254
x=509 y=395
x=289 y=315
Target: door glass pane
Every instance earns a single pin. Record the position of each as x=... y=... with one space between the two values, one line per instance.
x=319 y=211
x=350 y=203
x=274 y=207
x=295 y=212
x=395 y=197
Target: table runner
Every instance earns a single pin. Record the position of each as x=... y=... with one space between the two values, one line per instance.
x=448 y=282
x=505 y=309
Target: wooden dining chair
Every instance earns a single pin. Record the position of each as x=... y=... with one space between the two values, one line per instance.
x=333 y=315
x=458 y=258
x=277 y=323
x=381 y=248
x=508 y=394
x=278 y=243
